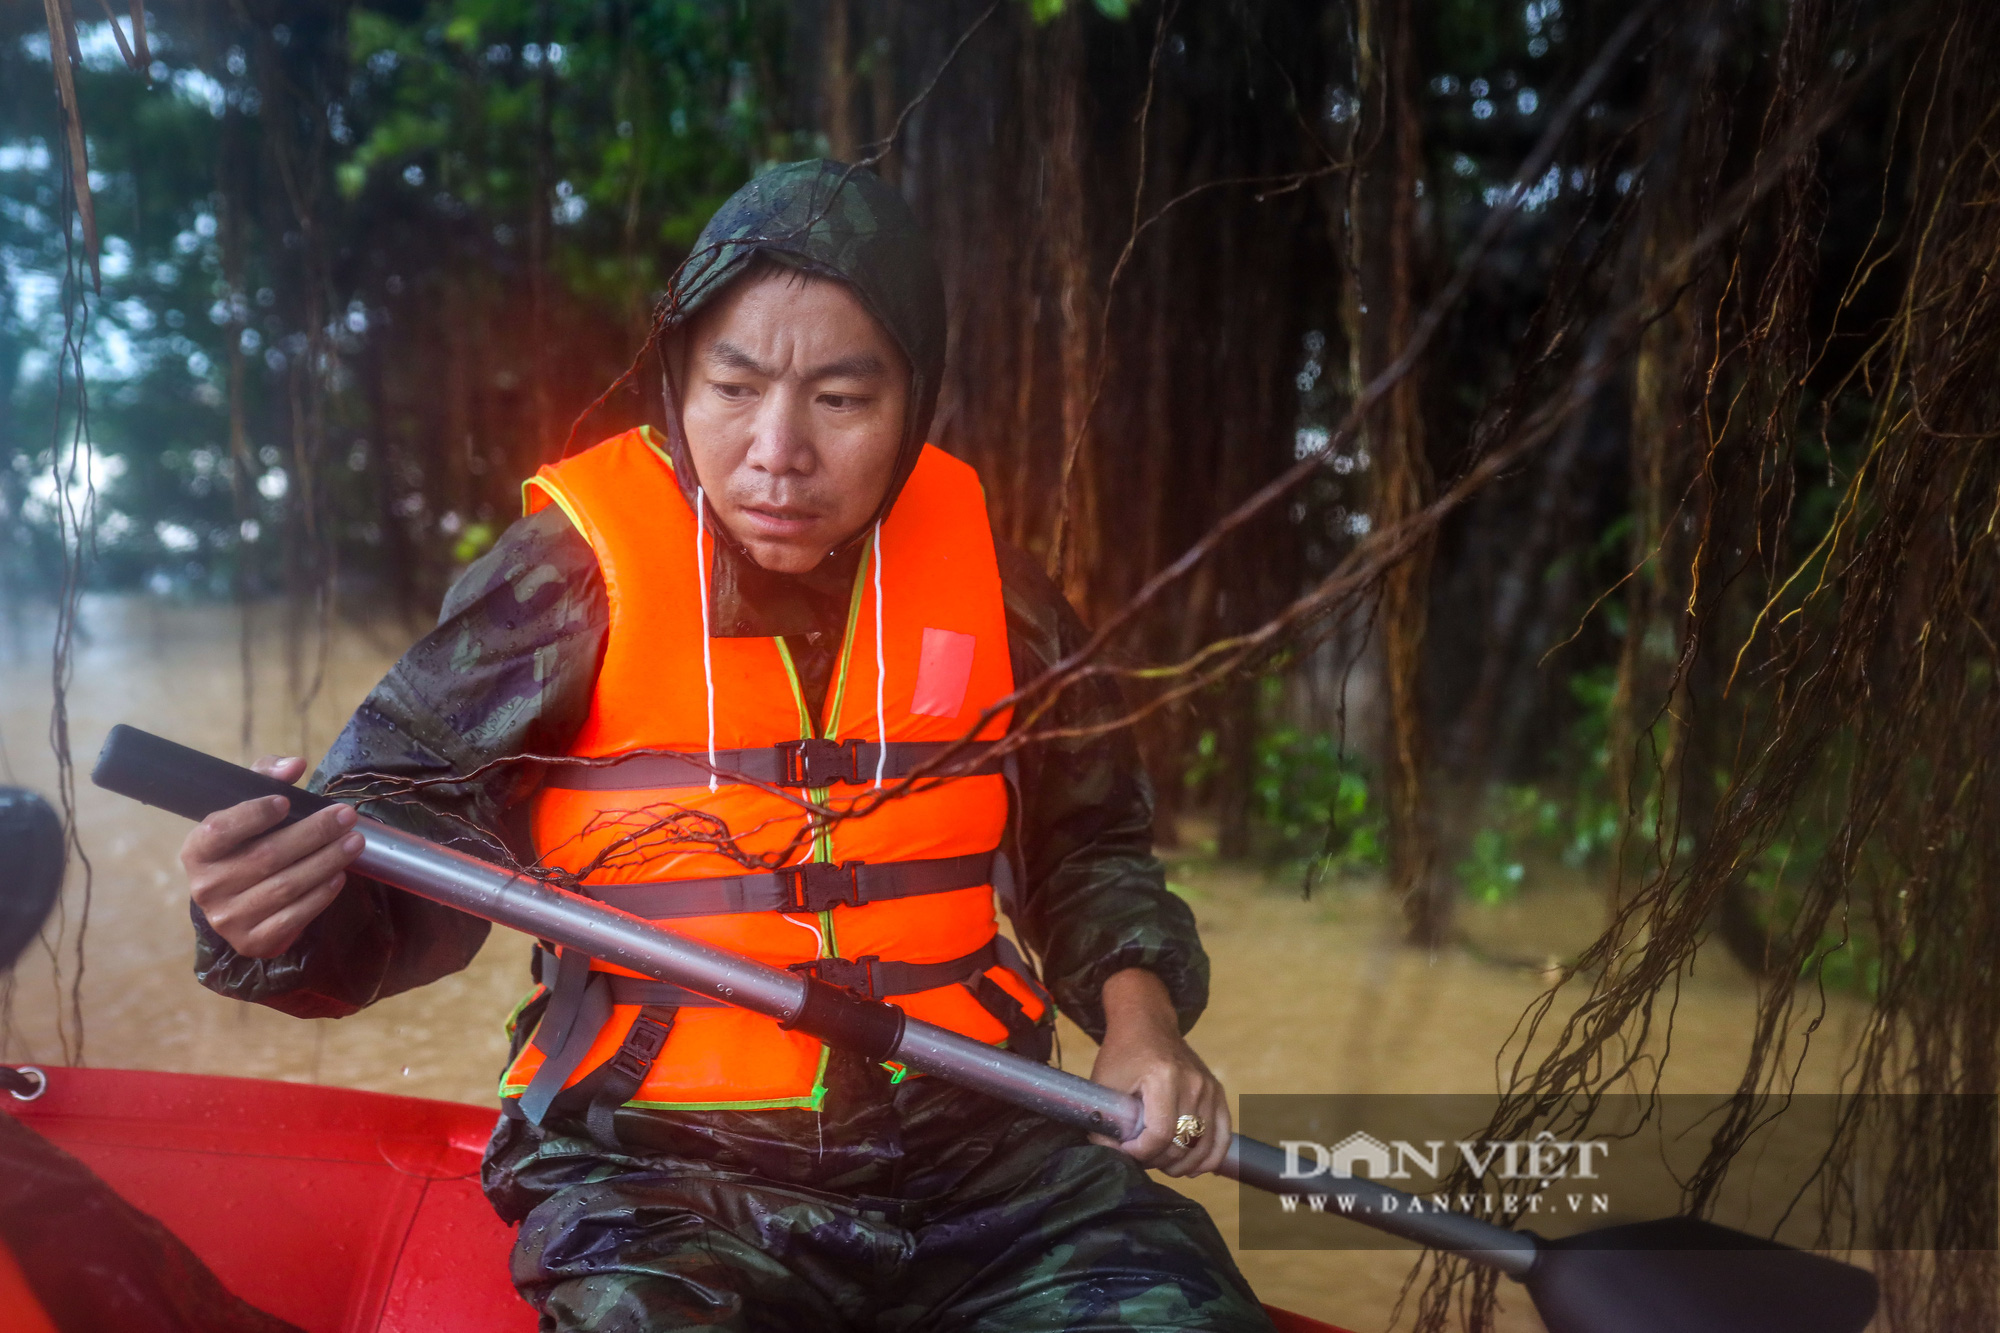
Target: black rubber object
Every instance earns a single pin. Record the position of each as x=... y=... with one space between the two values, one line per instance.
x=193 y=785
x=868 y=1027
x=31 y=853
x=1686 y=1275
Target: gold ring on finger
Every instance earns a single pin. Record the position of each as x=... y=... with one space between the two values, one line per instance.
x=1188 y=1130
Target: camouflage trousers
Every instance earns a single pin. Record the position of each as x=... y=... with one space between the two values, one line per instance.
x=912 y=1207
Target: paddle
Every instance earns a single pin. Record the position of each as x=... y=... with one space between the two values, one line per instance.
x=1678 y=1275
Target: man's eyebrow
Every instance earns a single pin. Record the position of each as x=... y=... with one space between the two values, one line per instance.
x=728 y=356
x=860 y=366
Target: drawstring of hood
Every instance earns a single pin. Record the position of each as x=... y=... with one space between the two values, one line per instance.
x=881 y=667
x=707 y=657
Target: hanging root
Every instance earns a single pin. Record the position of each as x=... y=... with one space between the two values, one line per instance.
x=1832 y=687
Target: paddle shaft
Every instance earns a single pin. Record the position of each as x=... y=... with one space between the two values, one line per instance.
x=195 y=785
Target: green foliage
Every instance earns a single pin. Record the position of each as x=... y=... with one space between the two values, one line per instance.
x=1312 y=800
x=1590 y=814
x=1844 y=958
x=1474 y=37
x=1309 y=792
x=155 y=349
x=1047 y=11
x=1517 y=818
x=1572 y=819
x=475 y=541
x=639 y=125
x=1489 y=874
x=442 y=121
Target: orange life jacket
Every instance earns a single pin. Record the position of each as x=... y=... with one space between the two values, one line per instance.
x=898 y=903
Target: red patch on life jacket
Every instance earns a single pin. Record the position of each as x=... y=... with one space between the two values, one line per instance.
x=944 y=669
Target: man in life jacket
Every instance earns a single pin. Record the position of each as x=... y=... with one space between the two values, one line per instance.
x=781 y=597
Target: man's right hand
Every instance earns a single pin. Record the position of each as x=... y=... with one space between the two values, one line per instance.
x=260 y=889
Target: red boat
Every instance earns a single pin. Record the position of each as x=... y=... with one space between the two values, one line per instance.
x=338 y=1211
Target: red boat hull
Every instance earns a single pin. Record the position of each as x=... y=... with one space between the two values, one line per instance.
x=339 y=1211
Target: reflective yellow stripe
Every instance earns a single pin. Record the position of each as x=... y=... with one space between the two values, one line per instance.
x=554 y=492
x=653 y=440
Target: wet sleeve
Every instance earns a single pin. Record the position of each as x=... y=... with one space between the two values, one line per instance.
x=1094 y=899
x=435 y=750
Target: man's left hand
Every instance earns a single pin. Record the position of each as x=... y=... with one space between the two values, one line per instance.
x=1144 y=1053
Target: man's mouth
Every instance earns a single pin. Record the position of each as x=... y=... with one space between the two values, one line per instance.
x=780 y=520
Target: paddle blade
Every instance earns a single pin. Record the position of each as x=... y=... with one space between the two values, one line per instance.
x=31 y=867
x=1684 y=1275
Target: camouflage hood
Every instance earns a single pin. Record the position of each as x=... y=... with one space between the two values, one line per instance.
x=837 y=222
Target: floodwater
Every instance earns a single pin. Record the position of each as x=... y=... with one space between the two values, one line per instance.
x=1308 y=996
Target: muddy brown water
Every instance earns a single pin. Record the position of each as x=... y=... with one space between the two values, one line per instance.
x=1314 y=996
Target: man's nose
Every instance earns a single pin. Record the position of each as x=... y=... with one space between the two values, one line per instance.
x=781 y=442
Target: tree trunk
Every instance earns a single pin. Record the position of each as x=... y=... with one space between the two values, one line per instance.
x=1164 y=738
x=1236 y=766
x=538 y=238
x=885 y=15
x=1668 y=501
x=1077 y=542
x=1381 y=309
x=841 y=140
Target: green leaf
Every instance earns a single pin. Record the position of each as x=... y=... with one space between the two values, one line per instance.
x=368 y=32
x=476 y=541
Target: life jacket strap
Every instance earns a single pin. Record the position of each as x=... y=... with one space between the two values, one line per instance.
x=872 y=979
x=635 y=990
x=581 y=1000
x=1024 y=1035
x=813 y=887
x=619 y=1080
x=802 y=763
x=579 y=1006
x=867 y=975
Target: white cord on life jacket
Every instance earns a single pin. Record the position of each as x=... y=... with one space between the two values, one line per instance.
x=881 y=668
x=707 y=664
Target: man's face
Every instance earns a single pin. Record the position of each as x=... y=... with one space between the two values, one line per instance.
x=794 y=415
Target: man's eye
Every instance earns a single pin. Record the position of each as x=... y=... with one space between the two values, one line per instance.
x=840 y=402
x=735 y=393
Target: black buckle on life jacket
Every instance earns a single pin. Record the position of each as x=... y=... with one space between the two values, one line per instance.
x=818 y=762
x=819 y=885
x=641 y=1047
x=858 y=975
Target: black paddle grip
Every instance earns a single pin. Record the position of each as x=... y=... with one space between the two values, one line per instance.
x=193 y=785
x=867 y=1027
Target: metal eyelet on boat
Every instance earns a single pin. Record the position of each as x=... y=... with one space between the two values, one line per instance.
x=28 y=1071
